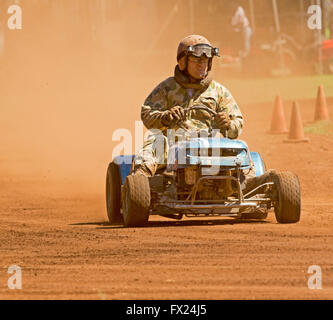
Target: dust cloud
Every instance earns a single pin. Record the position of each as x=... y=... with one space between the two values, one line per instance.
x=79 y=70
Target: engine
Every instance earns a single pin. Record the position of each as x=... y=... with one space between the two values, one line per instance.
x=187 y=178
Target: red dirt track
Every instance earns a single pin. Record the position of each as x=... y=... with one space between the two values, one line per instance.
x=72 y=76
x=58 y=233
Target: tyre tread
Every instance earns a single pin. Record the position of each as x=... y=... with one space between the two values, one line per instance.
x=289 y=210
x=138 y=200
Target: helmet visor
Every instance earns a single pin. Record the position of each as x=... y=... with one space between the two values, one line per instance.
x=202 y=49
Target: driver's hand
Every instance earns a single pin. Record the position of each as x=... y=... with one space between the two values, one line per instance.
x=175 y=114
x=223 y=121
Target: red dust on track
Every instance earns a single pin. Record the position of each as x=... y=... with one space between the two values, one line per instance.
x=59 y=235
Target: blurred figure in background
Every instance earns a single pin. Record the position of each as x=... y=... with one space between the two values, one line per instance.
x=241 y=25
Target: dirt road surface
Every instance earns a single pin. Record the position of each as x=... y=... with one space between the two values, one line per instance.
x=70 y=78
x=58 y=233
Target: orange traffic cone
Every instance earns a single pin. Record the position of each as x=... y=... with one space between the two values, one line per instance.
x=296 y=132
x=278 y=123
x=321 y=112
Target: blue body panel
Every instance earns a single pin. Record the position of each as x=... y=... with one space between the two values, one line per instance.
x=216 y=143
x=185 y=153
x=243 y=157
x=125 y=163
x=258 y=163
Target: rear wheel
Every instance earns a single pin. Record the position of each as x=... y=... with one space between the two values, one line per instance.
x=113 y=189
x=288 y=205
x=136 y=200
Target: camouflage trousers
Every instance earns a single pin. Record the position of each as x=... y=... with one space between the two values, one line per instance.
x=152 y=156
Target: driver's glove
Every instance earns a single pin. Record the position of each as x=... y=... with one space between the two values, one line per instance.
x=222 y=120
x=174 y=115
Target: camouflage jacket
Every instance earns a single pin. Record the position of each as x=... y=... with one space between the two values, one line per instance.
x=170 y=93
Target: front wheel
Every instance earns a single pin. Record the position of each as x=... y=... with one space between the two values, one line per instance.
x=287 y=190
x=136 y=200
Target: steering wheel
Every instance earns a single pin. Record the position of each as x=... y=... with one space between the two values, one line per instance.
x=205 y=108
x=200 y=107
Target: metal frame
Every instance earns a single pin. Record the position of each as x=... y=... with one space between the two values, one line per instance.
x=214 y=205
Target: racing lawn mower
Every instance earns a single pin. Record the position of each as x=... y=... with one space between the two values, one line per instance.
x=203 y=177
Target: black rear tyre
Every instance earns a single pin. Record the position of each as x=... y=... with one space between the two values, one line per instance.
x=113 y=193
x=288 y=205
x=136 y=200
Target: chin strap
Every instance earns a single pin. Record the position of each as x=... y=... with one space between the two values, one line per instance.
x=186 y=73
x=182 y=78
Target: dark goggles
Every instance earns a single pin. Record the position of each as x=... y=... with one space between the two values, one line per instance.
x=202 y=49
